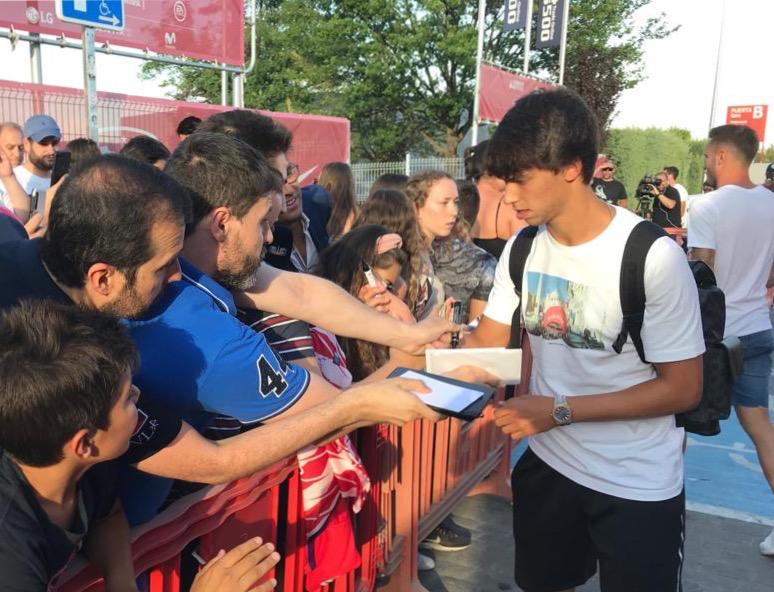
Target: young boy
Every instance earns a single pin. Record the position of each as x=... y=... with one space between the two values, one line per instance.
x=602 y=479
x=66 y=405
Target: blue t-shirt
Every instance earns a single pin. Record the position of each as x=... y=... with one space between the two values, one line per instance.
x=200 y=361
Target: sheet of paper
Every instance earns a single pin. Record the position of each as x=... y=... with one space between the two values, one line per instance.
x=444 y=395
x=503 y=363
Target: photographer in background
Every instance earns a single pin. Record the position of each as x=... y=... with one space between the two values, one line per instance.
x=666 y=203
x=672 y=173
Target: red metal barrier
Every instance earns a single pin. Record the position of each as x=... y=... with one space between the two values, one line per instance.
x=317 y=139
x=418 y=474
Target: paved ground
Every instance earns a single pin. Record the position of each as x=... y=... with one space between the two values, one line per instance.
x=721 y=554
x=731 y=509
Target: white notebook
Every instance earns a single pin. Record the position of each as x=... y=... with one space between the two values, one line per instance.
x=503 y=363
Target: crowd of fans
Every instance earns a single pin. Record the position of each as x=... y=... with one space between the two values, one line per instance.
x=193 y=316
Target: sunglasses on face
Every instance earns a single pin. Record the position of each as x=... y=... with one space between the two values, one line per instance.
x=608 y=170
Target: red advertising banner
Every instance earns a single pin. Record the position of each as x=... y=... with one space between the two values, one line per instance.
x=753 y=116
x=317 y=139
x=199 y=29
x=500 y=89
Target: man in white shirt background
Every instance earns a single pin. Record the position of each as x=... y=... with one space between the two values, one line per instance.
x=41 y=137
x=731 y=231
x=672 y=172
x=12 y=141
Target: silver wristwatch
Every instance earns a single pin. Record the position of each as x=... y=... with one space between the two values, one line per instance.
x=562 y=414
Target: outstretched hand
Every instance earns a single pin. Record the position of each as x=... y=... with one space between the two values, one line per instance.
x=395 y=401
x=239 y=569
x=474 y=374
x=432 y=332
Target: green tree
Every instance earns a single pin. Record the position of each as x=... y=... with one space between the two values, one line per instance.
x=403 y=71
x=640 y=152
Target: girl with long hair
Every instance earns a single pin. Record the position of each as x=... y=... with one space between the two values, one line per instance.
x=393 y=210
x=367 y=249
x=466 y=270
x=337 y=179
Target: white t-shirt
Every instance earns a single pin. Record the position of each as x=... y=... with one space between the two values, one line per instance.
x=29 y=182
x=682 y=191
x=688 y=205
x=572 y=311
x=738 y=224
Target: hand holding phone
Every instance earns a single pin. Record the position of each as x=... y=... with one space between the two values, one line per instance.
x=457 y=320
x=61 y=166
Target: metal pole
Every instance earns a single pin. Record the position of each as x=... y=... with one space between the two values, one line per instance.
x=90 y=82
x=407 y=168
x=527 y=37
x=36 y=61
x=717 y=65
x=563 y=46
x=479 y=59
x=236 y=90
x=223 y=87
x=253 y=37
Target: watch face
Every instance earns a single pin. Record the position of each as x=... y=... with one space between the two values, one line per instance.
x=562 y=415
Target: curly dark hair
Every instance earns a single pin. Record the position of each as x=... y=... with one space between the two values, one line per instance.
x=342 y=263
x=394 y=211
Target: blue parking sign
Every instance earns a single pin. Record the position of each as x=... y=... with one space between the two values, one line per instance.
x=102 y=14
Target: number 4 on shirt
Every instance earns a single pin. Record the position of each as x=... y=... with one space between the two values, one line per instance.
x=270 y=381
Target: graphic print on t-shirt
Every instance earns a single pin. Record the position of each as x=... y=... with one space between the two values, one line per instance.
x=557 y=308
x=142 y=432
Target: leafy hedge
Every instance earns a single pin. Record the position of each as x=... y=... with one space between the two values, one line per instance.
x=640 y=152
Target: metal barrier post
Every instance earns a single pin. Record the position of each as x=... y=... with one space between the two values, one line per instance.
x=90 y=83
x=36 y=61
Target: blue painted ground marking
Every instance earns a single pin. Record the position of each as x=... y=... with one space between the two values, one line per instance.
x=723 y=471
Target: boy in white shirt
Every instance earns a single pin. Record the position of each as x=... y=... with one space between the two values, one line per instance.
x=602 y=479
x=731 y=231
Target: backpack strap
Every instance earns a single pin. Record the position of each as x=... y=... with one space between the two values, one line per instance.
x=632 y=284
x=519 y=253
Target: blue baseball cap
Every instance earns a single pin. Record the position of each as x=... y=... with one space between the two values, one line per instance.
x=38 y=127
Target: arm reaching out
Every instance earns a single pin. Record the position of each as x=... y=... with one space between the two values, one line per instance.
x=19 y=200
x=323 y=303
x=192 y=457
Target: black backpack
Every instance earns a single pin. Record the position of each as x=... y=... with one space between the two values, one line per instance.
x=722 y=359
